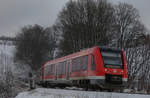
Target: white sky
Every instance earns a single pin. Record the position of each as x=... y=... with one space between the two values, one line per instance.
x=15 y=14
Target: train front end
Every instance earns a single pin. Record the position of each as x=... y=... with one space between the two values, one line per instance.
x=113 y=67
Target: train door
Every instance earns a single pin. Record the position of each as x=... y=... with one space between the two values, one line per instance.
x=92 y=65
x=84 y=66
x=68 y=70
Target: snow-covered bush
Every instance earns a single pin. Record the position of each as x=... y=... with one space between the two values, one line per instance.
x=7 y=83
x=138 y=61
x=6 y=73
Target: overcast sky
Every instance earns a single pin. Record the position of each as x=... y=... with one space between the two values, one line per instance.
x=15 y=14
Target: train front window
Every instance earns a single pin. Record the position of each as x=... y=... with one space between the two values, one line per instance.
x=112 y=59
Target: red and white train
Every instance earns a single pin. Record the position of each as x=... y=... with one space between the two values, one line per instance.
x=97 y=67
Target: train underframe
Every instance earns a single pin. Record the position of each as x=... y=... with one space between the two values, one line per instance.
x=110 y=83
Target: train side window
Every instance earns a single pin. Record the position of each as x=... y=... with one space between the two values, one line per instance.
x=84 y=62
x=46 y=71
x=51 y=69
x=59 y=67
x=73 y=65
x=64 y=67
x=76 y=62
x=93 y=67
x=58 y=71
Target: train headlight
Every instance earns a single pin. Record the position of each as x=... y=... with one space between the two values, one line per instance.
x=105 y=69
x=115 y=71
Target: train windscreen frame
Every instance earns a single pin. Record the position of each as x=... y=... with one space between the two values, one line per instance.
x=112 y=58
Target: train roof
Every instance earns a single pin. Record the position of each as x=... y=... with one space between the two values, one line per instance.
x=82 y=52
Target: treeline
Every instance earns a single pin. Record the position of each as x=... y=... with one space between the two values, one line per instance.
x=86 y=23
x=35 y=45
x=7 y=38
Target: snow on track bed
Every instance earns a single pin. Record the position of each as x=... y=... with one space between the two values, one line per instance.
x=57 y=93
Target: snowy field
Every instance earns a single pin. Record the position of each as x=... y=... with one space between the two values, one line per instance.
x=57 y=93
x=8 y=50
x=6 y=57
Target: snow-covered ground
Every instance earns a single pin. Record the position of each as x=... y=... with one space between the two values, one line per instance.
x=57 y=93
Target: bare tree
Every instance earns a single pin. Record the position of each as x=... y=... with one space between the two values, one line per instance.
x=130 y=34
x=128 y=27
x=138 y=60
x=83 y=24
x=35 y=45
